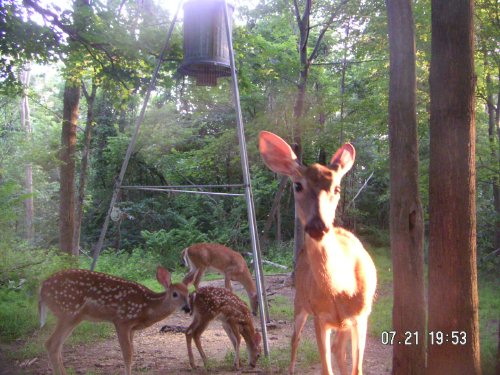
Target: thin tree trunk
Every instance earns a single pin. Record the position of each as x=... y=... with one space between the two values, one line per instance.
x=406 y=216
x=67 y=157
x=453 y=298
x=274 y=207
x=84 y=167
x=28 y=170
x=492 y=135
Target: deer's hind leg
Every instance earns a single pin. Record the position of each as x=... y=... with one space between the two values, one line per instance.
x=54 y=344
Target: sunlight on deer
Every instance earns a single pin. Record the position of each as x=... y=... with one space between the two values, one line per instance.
x=335 y=277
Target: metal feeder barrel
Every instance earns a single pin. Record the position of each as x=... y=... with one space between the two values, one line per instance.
x=206 y=48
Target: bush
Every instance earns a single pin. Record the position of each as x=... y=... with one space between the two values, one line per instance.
x=21 y=271
x=168 y=245
x=136 y=265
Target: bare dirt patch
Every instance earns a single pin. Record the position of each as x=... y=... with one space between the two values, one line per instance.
x=165 y=353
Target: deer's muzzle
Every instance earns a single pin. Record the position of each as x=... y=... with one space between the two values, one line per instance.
x=316 y=228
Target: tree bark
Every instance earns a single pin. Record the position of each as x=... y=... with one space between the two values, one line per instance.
x=406 y=217
x=67 y=157
x=24 y=77
x=90 y=97
x=453 y=298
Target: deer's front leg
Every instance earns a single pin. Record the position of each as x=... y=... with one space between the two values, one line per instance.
x=323 y=340
x=358 y=341
x=339 y=350
x=299 y=321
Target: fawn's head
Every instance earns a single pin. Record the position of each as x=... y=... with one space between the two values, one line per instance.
x=177 y=295
x=254 y=349
x=316 y=187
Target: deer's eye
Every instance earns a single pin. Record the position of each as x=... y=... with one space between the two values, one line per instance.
x=337 y=190
x=297 y=186
x=175 y=295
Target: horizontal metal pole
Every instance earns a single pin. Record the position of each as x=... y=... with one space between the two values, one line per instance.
x=183 y=186
x=185 y=191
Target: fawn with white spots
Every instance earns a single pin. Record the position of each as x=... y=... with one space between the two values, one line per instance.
x=75 y=295
x=335 y=278
x=209 y=303
x=201 y=257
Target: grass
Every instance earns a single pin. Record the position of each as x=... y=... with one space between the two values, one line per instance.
x=279 y=358
x=489 y=313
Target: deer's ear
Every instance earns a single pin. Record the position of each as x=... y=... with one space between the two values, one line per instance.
x=163 y=276
x=277 y=154
x=343 y=159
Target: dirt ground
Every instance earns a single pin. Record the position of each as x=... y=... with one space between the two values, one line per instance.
x=165 y=353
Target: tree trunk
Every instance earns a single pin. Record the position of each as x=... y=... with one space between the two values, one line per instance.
x=24 y=77
x=453 y=299
x=67 y=157
x=406 y=217
x=84 y=167
x=492 y=137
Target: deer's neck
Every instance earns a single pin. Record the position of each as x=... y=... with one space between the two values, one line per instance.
x=157 y=308
x=248 y=283
x=330 y=266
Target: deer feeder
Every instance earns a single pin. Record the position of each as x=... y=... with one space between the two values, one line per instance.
x=206 y=46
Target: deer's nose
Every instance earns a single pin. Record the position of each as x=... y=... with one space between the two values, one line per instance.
x=316 y=228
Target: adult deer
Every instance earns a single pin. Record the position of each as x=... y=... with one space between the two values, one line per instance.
x=201 y=257
x=335 y=277
x=209 y=303
x=75 y=295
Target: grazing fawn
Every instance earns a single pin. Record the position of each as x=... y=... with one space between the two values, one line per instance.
x=335 y=278
x=201 y=257
x=75 y=295
x=209 y=303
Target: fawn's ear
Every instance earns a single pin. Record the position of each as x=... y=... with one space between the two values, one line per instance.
x=343 y=159
x=163 y=276
x=277 y=154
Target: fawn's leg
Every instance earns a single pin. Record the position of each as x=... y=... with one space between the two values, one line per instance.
x=339 y=350
x=299 y=321
x=234 y=335
x=194 y=332
x=125 y=336
x=54 y=344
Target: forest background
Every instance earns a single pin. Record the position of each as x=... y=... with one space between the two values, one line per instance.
x=100 y=56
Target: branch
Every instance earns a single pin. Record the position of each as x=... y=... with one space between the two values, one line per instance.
x=325 y=28
x=360 y=190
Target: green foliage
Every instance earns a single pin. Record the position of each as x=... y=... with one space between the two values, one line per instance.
x=138 y=264
x=489 y=307
x=21 y=271
x=169 y=245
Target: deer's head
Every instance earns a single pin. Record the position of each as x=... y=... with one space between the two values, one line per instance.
x=316 y=187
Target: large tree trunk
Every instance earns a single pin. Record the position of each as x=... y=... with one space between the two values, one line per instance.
x=453 y=299
x=90 y=97
x=24 y=77
x=406 y=218
x=67 y=157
